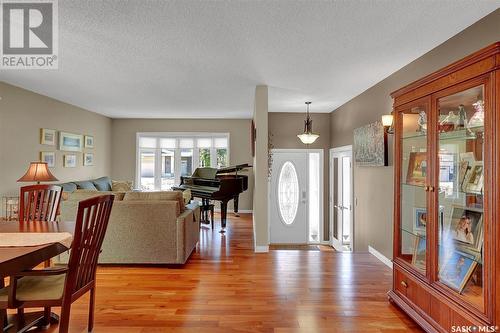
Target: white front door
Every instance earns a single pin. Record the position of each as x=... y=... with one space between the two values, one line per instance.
x=341 y=215
x=288 y=198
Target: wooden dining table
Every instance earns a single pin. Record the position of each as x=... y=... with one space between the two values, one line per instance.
x=15 y=259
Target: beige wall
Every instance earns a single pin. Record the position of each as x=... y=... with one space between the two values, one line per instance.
x=373 y=187
x=23 y=113
x=284 y=127
x=124 y=140
x=260 y=170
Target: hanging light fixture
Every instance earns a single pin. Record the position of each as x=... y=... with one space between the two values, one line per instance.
x=308 y=136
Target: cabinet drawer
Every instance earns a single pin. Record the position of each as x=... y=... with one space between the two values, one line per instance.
x=412 y=289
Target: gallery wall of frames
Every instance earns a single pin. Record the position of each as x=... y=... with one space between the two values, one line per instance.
x=71 y=146
x=447 y=138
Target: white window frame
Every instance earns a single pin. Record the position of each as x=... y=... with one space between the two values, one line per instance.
x=177 y=160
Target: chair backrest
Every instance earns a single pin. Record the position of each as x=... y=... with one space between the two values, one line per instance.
x=39 y=202
x=90 y=227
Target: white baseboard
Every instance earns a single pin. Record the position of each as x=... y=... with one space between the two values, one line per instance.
x=261 y=248
x=380 y=256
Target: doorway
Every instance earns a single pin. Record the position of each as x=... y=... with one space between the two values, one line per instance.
x=296 y=196
x=341 y=199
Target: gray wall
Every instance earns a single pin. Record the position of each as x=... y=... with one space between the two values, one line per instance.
x=23 y=113
x=284 y=127
x=373 y=187
x=124 y=140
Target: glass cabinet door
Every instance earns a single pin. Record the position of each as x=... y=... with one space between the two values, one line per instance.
x=413 y=214
x=460 y=196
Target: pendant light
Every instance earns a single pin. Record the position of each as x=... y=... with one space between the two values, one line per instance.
x=308 y=136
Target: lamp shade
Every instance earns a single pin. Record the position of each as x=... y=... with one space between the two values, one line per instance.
x=387 y=120
x=308 y=138
x=38 y=172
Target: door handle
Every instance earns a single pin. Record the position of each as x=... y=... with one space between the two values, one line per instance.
x=304 y=196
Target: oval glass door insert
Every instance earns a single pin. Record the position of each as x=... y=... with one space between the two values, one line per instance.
x=288 y=193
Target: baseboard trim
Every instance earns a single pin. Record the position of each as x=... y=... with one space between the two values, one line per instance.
x=380 y=257
x=261 y=248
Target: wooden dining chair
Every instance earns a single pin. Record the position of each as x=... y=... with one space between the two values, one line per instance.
x=62 y=286
x=39 y=202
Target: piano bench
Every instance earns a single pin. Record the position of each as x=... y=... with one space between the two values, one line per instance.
x=205 y=210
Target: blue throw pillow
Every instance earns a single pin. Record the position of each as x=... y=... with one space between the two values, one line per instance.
x=86 y=185
x=102 y=184
x=68 y=187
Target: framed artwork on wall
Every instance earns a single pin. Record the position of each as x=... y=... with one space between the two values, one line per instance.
x=370 y=145
x=70 y=161
x=89 y=141
x=48 y=157
x=70 y=141
x=88 y=159
x=47 y=137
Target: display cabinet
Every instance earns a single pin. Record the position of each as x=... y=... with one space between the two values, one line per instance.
x=446 y=203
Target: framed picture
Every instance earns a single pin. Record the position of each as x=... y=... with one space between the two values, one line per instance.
x=417 y=169
x=70 y=161
x=466 y=227
x=47 y=136
x=420 y=219
x=89 y=141
x=466 y=161
x=370 y=145
x=48 y=157
x=418 y=258
x=70 y=141
x=88 y=159
x=457 y=269
x=474 y=179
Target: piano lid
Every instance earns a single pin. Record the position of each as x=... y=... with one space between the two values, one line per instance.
x=205 y=172
x=233 y=168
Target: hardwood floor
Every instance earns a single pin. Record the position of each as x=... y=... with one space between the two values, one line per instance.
x=226 y=287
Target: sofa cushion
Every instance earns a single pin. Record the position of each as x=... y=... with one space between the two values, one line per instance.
x=157 y=196
x=102 y=184
x=118 y=185
x=68 y=187
x=85 y=185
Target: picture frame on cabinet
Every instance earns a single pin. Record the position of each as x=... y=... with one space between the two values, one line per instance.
x=48 y=157
x=466 y=228
x=419 y=253
x=420 y=219
x=456 y=270
x=417 y=169
x=69 y=161
x=47 y=136
x=474 y=179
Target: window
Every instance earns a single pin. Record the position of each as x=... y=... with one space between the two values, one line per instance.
x=162 y=158
x=288 y=193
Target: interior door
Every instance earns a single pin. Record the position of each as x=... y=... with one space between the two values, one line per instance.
x=288 y=198
x=341 y=200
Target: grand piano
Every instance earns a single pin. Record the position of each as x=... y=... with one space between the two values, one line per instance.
x=217 y=184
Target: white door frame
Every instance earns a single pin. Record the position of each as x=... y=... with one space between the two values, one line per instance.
x=341 y=149
x=321 y=190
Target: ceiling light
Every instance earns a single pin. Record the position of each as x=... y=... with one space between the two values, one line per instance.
x=308 y=136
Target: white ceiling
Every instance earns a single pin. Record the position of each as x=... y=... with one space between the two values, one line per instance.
x=203 y=59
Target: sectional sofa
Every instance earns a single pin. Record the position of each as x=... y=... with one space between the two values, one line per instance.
x=144 y=227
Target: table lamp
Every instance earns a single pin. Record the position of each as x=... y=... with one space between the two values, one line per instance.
x=38 y=172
